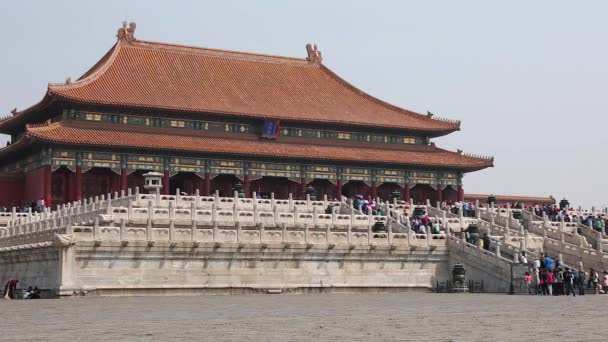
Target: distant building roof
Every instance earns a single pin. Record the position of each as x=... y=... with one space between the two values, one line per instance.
x=510 y=198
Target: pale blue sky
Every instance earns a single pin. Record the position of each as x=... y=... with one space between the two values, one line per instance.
x=527 y=78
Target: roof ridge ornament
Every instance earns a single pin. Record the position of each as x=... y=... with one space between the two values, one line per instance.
x=314 y=54
x=14 y=111
x=127 y=33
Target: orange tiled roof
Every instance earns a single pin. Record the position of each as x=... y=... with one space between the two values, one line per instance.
x=155 y=75
x=65 y=132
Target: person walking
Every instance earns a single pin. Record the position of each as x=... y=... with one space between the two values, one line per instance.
x=550 y=281
x=568 y=282
x=580 y=282
x=528 y=280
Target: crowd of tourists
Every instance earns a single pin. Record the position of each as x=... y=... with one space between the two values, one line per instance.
x=367 y=204
x=35 y=207
x=547 y=277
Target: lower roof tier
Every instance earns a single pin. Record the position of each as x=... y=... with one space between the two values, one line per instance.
x=69 y=133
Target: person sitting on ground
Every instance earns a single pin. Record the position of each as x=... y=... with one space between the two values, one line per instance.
x=28 y=293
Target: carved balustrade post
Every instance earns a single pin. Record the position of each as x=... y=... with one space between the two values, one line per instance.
x=123 y=229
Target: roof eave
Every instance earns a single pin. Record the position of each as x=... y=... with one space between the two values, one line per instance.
x=10 y=123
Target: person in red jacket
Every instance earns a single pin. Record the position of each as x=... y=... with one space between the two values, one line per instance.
x=550 y=280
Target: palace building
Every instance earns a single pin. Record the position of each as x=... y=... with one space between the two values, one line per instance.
x=209 y=119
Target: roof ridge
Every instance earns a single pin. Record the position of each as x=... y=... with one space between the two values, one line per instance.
x=183 y=48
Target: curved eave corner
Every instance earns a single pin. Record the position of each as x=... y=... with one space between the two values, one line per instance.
x=9 y=122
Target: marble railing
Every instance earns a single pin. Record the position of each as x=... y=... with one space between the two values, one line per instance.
x=271 y=204
x=197 y=233
x=125 y=211
x=231 y=216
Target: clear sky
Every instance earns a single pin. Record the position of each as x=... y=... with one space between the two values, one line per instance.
x=528 y=79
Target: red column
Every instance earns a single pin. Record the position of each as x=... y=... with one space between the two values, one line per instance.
x=68 y=189
x=439 y=193
x=406 y=192
x=460 y=193
x=207 y=188
x=166 y=183
x=78 y=184
x=200 y=184
x=47 y=178
x=338 y=188
x=374 y=189
x=123 y=179
x=303 y=187
x=247 y=185
x=111 y=182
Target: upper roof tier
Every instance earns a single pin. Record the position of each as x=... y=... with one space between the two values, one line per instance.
x=153 y=75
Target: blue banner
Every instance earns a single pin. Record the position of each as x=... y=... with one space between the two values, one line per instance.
x=271 y=128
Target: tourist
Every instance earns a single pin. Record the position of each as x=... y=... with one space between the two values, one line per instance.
x=528 y=280
x=28 y=293
x=480 y=243
x=558 y=282
x=537 y=281
x=435 y=229
x=594 y=279
x=550 y=280
x=543 y=282
x=598 y=224
x=568 y=282
x=548 y=263
x=36 y=293
x=605 y=282
x=581 y=282
x=10 y=288
x=486 y=242
x=522 y=258
x=536 y=264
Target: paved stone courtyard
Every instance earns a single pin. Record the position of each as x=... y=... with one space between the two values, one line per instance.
x=320 y=317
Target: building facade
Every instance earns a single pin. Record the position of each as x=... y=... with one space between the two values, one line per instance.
x=209 y=119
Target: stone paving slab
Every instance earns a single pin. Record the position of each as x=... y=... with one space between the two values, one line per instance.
x=319 y=317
